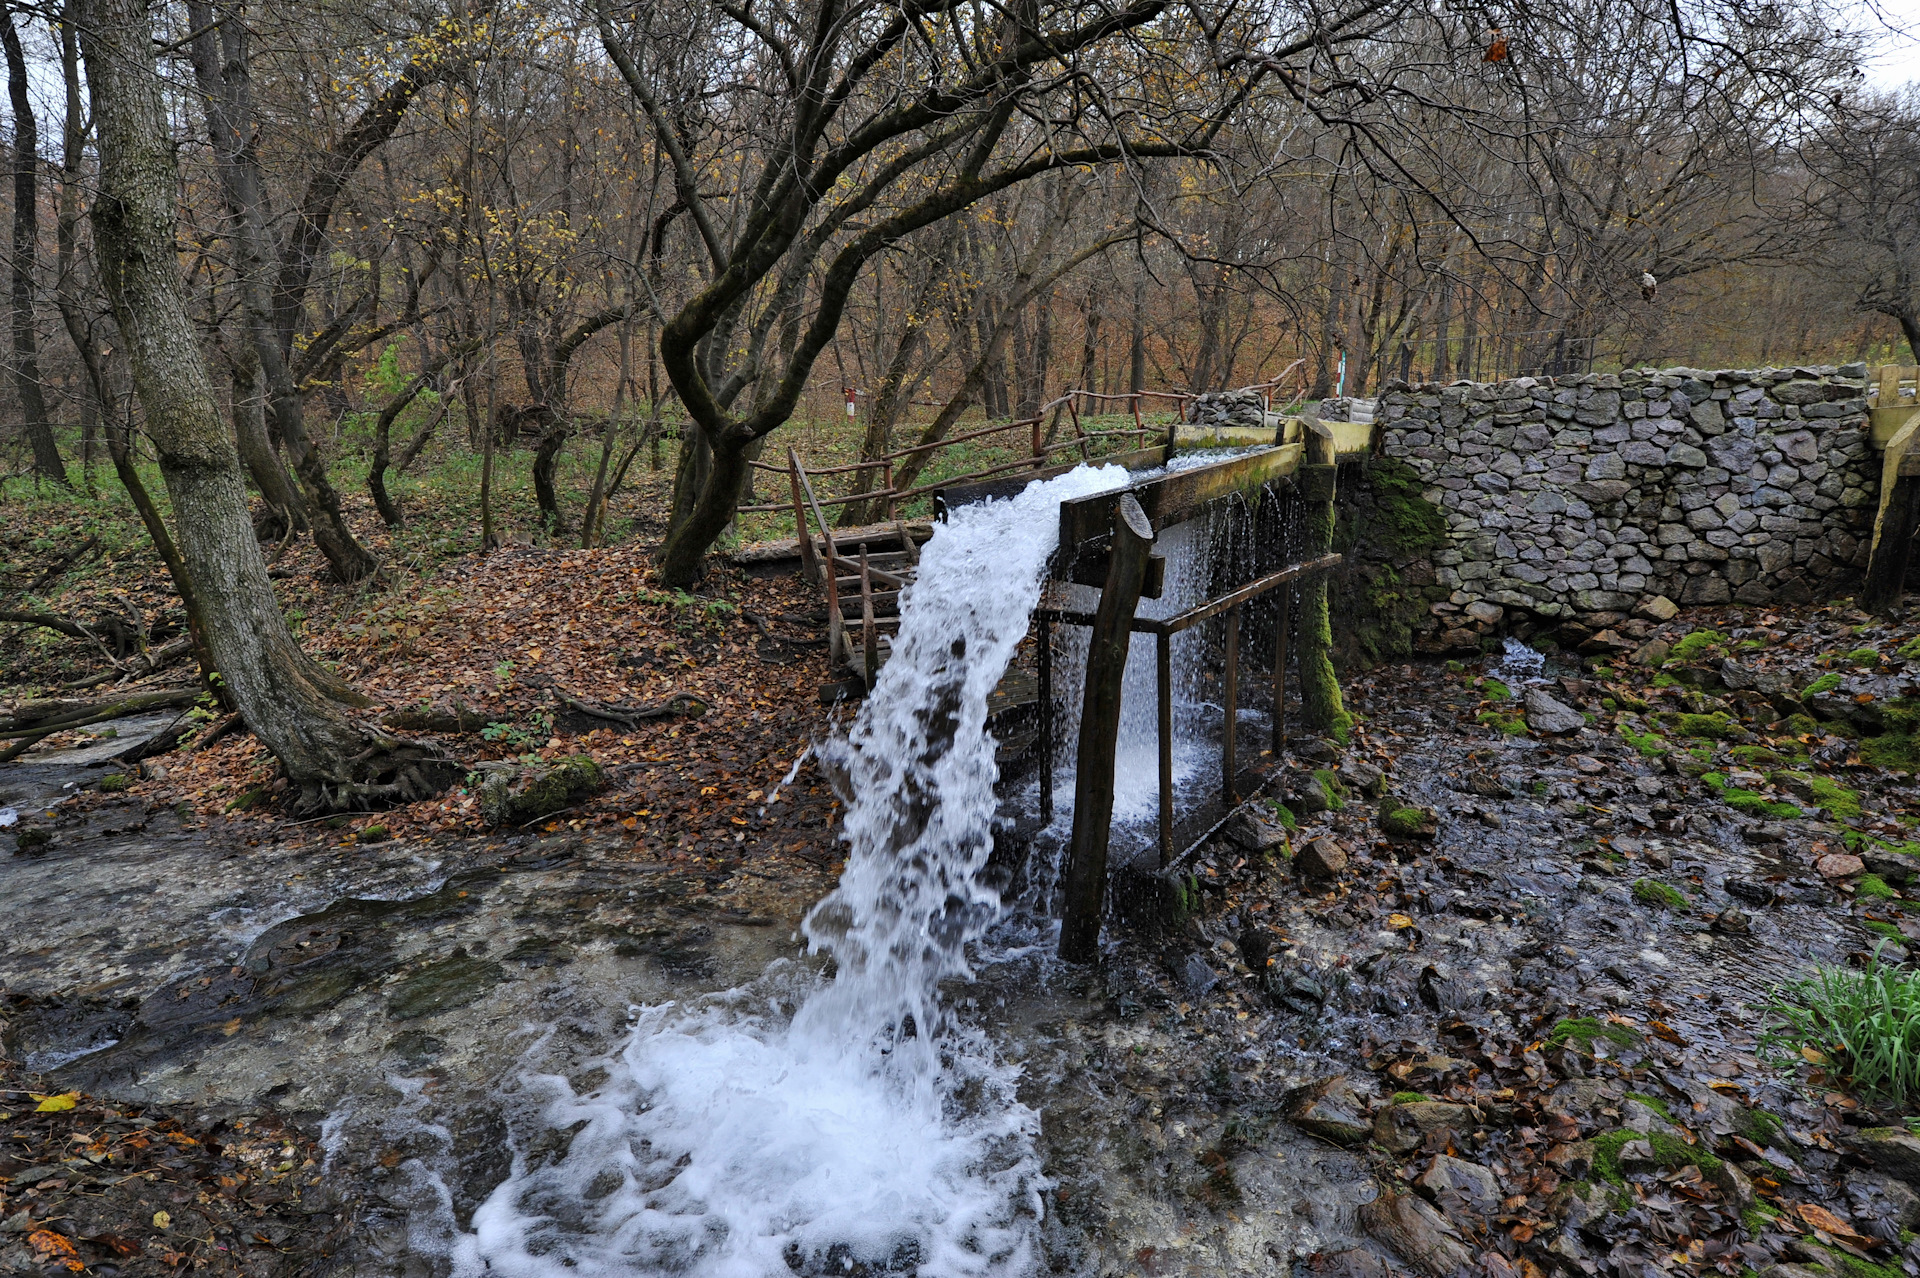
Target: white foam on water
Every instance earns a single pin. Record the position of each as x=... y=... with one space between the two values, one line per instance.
x=1518 y=661
x=814 y=1125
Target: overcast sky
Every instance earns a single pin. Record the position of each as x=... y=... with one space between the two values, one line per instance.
x=1898 y=59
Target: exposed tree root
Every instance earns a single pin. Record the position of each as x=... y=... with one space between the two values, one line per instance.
x=389 y=772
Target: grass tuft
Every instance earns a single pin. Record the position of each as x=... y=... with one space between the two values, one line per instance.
x=1863 y=1023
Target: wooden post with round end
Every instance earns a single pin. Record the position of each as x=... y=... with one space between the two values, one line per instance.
x=1086 y=877
x=1321 y=709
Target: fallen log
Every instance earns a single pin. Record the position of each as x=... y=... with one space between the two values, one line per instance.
x=54 y=713
x=680 y=703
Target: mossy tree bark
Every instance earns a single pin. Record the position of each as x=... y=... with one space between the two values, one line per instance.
x=291 y=705
x=1320 y=704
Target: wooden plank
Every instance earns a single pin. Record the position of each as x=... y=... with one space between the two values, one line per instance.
x=1091 y=570
x=1172 y=498
x=785 y=549
x=1187 y=437
x=1013 y=485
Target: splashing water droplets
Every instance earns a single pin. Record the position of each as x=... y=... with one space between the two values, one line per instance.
x=815 y=1126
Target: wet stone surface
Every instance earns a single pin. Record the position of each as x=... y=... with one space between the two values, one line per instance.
x=1480 y=1044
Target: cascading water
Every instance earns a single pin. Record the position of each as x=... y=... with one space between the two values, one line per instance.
x=812 y=1125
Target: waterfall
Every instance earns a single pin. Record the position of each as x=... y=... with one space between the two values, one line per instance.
x=814 y=1125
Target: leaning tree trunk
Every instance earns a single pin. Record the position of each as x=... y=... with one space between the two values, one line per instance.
x=285 y=699
x=26 y=254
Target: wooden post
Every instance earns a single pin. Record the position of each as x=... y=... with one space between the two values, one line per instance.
x=809 y=558
x=1044 y=660
x=1229 y=764
x=886 y=482
x=870 y=657
x=1039 y=446
x=1283 y=618
x=1893 y=528
x=1086 y=876
x=1163 y=688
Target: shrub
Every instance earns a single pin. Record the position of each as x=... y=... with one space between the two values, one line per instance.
x=1660 y=895
x=1863 y=1023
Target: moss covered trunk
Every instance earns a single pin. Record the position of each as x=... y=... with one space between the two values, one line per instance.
x=1320 y=704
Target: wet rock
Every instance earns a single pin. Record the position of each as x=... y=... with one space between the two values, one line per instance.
x=1894 y=867
x=1402 y=1127
x=1733 y=921
x=1606 y=641
x=1840 y=865
x=1334 y=1112
x=1321 y=859
x=1198 y=978
x=1356 y=1262
x=1253 y=832
x=454 y=981
x=1894 y=1150
x=1364 y=777
x=1768 y=832
x=1318 y=749
x=1544 y=714
x=514 y=794
x=1409 y=823
x=1422 y=1236
x=1652 y=653
x=1881 y=1198
x=1658 y=608
x=1487 y=785
x=1454 y=1183
x=1792 y=1271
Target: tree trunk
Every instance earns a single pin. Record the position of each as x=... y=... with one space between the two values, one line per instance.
x=1321 y=707
x=26 y=256
x=289 y=704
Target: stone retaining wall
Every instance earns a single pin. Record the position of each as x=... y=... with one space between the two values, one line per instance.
x=1595 y=493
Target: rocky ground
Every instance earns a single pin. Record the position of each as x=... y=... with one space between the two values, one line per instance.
x=1484 y=993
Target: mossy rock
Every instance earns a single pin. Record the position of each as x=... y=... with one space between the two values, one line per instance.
x=454 y=981
x=1822 y=792
x=113 y=781
x=514 y=794
x=1582 y=1032
x=1663 y=896
x=1704 y=727
x=1409 y=823
x=1825 y=683
x=1896 y=752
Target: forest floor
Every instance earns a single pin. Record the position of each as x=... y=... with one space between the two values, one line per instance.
x=1519 y=1033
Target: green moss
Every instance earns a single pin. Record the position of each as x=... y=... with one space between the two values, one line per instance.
x=1863 y=657
x=1750 y=804
x=1406 y=823
x=1653 y=1103
x=1880 y=927
x=113 y=781
x=1330 y=785
x=1896 y=752
x=1707 y=727
x=1665 y=680
x=1649 y=744
x=248 y=800
x=375 y=833
x=1284 y=815
x=1756 y=756
x=1583 y=1031
x=1669 y=1152
x=1402 y=519
x=1609 y=704
x=1410 y=1098
x=1503 y=721
x=1823 y=791
x=1910 y=650
x=1758 y=1217
x=1696 y=646
x=1872 y=885
x=1456 y=667
x=1761 y=1127
x=1660 y=895
x=1494 y=690
x=1801 y=724
x=1854 y=1267
x=1825 y=683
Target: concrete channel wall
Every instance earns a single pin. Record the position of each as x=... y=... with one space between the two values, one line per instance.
x=1590 y=494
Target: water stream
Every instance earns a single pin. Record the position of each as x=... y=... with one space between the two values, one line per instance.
x=817 y=1124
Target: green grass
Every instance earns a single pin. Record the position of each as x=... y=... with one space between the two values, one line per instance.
x=1696 y=645
x=1864 y=1023
x=1660 y=895
x=1584 y=1031
x=1825 y=683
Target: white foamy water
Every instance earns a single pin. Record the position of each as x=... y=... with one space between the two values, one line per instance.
x=818 y=1126
x=1520 y=662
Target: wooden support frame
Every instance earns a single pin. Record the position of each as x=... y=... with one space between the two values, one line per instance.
x=1894 y=525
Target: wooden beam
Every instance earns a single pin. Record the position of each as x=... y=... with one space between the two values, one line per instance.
x=1170 y=499
x=1011 y=486
x=1893 y=526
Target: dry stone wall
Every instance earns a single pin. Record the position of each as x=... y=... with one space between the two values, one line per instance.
x=1593 y=494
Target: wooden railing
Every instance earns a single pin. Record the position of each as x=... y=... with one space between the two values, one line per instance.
x=1040 y=451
